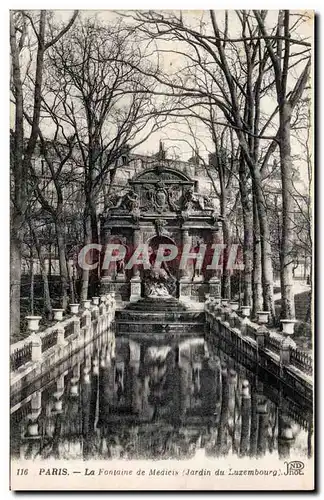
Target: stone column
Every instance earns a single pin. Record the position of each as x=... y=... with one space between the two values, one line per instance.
x=186 y=239
x=136 y=278
x=185 y=278
x=106 y=274
x=262 y=411
x=214 y=281
x=245 y=412
x=36 y=342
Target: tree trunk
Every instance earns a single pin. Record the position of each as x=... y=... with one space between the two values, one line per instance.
x=287 y=239
x=226 y=273
x=266 y=255
x=257 y=270
x=226 y=276
x=60 y=235
x=72 y=285
x=15 y=281
x=18 y=177
x=248 y=235
x=47 y=295
x=85 y=272
x=94 y=274
x=31 y=288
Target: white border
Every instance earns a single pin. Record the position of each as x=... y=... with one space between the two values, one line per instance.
x=4 y=179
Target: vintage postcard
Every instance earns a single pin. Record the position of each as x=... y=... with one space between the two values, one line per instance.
x=161 y=253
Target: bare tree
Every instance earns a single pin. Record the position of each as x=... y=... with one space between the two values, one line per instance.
x=287 y=99
x=96 y=94
x=241 y=70
x=22 y=24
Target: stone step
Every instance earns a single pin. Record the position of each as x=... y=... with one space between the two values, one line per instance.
x=147 y=304
x=148 y=322
x=159 y=327
x=162 y=316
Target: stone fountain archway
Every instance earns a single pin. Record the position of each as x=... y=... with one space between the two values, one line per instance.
x=160 y=204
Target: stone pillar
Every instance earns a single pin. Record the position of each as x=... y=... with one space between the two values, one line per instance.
x=76 y=326
x=186 y=239
x=262 y=411
x=36 y=342
x=185 y=278
x=36 y=404
x=136 y=278
x=74 y=388
x=245 y=412
x=106 y=274
x=285 y=438
x=232 y=319
x=60 y=336
x=285 y=352
x=244 y=325
x=260 y=334
x=88 y=326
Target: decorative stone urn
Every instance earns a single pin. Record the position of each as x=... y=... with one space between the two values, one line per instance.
x=263 y=317
x=286 y=434
x=95 y=367
x=74 y=390
x=288 y=326
x=234 y=305
x=246 y=311
x=245 y=389
x=86 y=304
x=32 y=429
x=58 y=314
x=95 y=301
x=262 y=406
x=33 y=323
x=74 y=308
x=103 y=298
x=58 y=405
x=224 y=302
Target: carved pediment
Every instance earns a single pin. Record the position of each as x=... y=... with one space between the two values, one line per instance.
x=159 y=174
x=160 y=190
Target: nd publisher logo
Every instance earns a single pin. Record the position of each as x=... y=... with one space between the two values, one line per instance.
x=294 y=468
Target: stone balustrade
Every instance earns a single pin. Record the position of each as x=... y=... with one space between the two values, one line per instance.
x=80 y=327
x=275 y=351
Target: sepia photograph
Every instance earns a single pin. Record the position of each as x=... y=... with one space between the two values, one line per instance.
x=161 y=250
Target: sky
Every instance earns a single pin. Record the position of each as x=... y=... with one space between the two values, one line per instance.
x=175 y=136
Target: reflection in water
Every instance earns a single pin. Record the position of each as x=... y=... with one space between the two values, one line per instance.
x=139 y=400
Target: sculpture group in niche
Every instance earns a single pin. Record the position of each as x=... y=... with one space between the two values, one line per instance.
x=160 y=198
x=197 y=266
x=158 y=281
x=194 y=201
x=127 y=201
